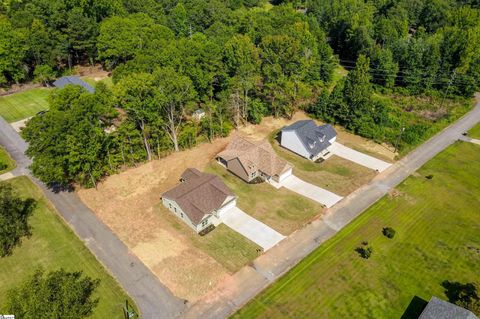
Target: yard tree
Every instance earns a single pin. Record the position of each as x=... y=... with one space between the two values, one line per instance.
x=57 y=294
x=242 y=59
x=173 y=92
x=13 y=49
x=14 y=215
x=138 y=96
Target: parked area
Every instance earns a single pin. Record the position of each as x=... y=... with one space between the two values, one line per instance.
x=189 y=264
x=53 y=246
x=358 y=157
x=256 y=231
x=435 y=250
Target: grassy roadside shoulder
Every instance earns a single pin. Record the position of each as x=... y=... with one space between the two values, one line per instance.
x=475 y=132
x=6 y=162
x=53 y=245
x=436 y=222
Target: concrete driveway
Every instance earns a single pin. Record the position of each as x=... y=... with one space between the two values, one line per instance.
x=358 y=157
x=311 y=191
x=251 y=228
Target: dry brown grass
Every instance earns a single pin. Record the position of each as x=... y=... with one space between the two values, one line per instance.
x=128 y=203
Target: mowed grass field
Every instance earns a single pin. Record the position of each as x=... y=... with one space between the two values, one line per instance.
x=6 y=159
x=53 y=246
x=18 y=106
x=281 y=209
x=438 y=225
x=475 y=132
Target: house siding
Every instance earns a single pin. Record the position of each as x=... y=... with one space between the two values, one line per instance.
x=237 y=168
x=291 y=142
x=172 y=206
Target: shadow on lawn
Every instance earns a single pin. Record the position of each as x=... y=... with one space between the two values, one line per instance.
x=415 y=308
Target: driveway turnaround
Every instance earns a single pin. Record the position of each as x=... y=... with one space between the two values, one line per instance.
x=311 y=191
x=251 y=228
x=359 y=158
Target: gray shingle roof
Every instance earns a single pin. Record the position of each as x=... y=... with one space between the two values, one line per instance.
x=74 y=80
x=440 y=309
x=314 y=138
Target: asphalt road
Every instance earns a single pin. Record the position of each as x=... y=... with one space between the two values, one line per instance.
x=152 y=298
x=251 y=280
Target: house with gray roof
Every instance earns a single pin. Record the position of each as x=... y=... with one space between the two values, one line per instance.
x=73 y=80
x=308 y=139
x=199 y=200
x=440 y=309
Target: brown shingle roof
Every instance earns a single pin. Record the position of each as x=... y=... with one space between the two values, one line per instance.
x=255 y=156
x=199 y=194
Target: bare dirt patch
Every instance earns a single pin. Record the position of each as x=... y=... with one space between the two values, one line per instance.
x=128 y=203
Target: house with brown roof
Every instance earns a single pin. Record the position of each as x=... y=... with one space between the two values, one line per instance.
x=199 y=200
x=249 y=161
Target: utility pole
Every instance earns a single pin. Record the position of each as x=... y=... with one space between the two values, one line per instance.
x=452 y=78
x=398 y=139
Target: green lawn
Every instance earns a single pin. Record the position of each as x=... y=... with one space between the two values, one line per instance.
x=91 y=80
x=475 y=132
x=6 y=159
x=229 y=248
x=438 y=225
x=336 y=174
x=18 y=106
x=53 y=246
x=281 y=209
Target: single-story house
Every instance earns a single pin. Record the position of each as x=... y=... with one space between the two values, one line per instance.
x=74 y=80
x=248 y=161
x=440 y=309
x=307 y=139
x=199 y=200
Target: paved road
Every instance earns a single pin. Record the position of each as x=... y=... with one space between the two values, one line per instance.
x=151 y=296
x=358 y=157
x=244 y=224
x=250 y=280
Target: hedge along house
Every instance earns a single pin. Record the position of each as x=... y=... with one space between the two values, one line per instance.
x=199 y=200
x=249 y=161
x=307 y=139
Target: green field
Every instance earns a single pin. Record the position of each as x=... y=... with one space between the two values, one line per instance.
x=53 y=245
x=475 y=132
x=6 y=159
x=18 y=106
x=438 y=224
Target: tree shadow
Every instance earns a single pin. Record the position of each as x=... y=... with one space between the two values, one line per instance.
x=415 y=308
x=58 y=187
x=456 y=291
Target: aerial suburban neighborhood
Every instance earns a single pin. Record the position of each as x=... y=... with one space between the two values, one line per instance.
x=167 y=159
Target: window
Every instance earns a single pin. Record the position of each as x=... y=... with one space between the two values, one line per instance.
x=204 y=223
x=181 y=215
x=170 y=205
x=175 y=209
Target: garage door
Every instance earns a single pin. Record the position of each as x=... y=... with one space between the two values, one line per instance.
x=226 y=207
x=284 y=175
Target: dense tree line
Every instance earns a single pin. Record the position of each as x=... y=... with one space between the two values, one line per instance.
x=237 y=60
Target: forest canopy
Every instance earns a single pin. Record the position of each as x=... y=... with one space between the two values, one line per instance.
x=237 y=60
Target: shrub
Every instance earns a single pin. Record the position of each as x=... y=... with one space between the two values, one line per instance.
x=364 y=252
x=429 y=176
x=206 y=230
x=388 y=232
x=3 y=166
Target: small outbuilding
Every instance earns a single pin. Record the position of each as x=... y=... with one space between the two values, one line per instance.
x=308 y=139
x=249 y=161
x=440 y=309
x=73 y=80
x=200 y=199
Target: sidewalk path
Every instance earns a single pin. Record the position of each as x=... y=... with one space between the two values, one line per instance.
x=153 y=299
x=264 y=270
